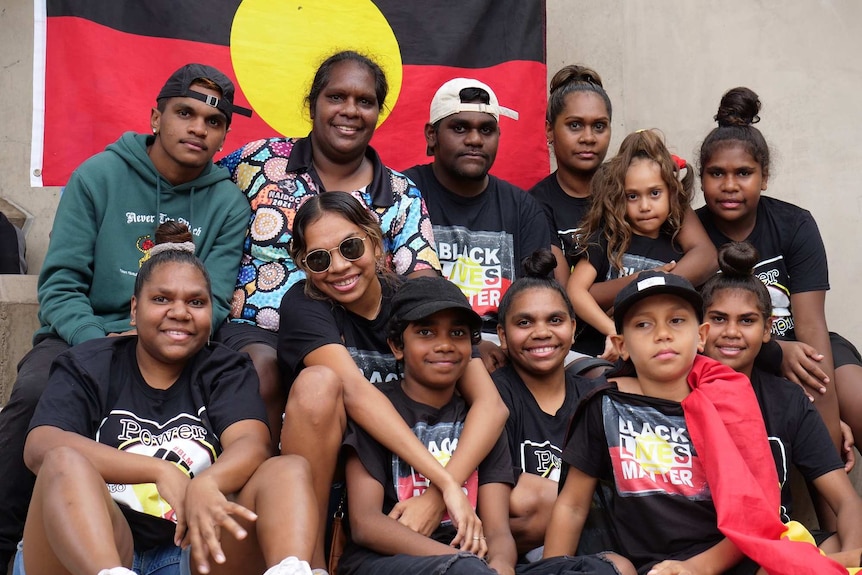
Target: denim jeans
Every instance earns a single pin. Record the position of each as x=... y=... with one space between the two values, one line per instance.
x=164 y=560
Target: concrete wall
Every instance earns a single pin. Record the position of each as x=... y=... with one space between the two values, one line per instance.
x=665 y=64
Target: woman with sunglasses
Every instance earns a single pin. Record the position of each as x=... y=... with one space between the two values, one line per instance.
x=332 y=347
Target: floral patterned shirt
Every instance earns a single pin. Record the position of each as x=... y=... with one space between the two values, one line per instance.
x=277 y=177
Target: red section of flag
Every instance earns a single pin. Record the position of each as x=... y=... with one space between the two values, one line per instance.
x=101 y=82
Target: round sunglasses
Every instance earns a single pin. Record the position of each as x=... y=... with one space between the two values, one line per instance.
x=351 y=249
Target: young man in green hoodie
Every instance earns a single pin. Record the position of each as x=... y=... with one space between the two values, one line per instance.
x=102 y=233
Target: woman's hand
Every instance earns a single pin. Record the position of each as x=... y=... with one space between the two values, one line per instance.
x=470 y=536
x=847 y=443
x=171 y=483
x=208 y=512
x=800 y=364
x=422 y=514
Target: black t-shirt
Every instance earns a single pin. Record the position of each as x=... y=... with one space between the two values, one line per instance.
x=565 y=214
x=482 y=240
x=535 y=437
x=439 y=430
x=642 y=254
x=308 y=324
x=793 y=258
x=796 y=433
x=96 y=390
x=640 y=445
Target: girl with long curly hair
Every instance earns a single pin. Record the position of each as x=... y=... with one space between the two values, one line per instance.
x=639 y=203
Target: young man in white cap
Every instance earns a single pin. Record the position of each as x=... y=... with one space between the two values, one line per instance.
x=484 y=226
x=102 y=233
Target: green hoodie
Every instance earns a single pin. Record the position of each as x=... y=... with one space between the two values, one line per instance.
x=105 y=225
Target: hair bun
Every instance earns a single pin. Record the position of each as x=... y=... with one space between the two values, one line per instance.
x=738 y=107
x=172 y=235
x=172 y=231
x=539 y=264
x=574 y=73
x=737 y=259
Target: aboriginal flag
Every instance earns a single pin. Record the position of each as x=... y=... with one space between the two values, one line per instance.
x=100 y=63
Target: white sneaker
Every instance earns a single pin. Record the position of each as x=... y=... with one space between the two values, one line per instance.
x=117 y=571
x=289 y=566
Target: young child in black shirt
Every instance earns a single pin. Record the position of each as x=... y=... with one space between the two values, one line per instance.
x=432 y=331
x=681 y=440
x=536 y=327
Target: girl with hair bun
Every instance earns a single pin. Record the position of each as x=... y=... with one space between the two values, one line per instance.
x=578 y=127
x=734 y=172
x=536 y=328
x=639 y=203
x=152 y=451
x=738 y=309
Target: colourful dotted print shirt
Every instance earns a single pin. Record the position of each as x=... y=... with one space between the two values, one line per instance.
x=276 y=186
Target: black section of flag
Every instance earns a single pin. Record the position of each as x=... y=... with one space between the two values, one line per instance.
x=461 y=33
x=467 y=33
x=206 y=21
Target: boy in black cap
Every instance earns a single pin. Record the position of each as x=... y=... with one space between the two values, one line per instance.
x=682 y=443
x=102 y=233
x=431 y=331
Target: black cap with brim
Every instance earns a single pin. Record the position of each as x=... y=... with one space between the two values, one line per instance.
x=650 y=283
x=179 y=86
x=422 y=297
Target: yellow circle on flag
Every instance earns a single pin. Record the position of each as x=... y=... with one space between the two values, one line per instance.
x=277 y=45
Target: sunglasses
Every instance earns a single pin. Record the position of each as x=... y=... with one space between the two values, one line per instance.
x=351 y=249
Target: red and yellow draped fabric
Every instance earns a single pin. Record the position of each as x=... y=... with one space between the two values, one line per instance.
x=100 y=63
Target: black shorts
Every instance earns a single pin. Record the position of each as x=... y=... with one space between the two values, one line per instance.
x=843 y=352
x=237 y=335
x=821 y=536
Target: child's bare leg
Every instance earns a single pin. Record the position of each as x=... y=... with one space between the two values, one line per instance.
x=530 y=506
x=280 y=493
x=314 y=424
x=73 y=526
x=623 y=565
x=849 y=558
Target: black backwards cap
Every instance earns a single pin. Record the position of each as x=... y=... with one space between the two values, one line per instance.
x=179 y=86
x=421 y=297
x=652 y=282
